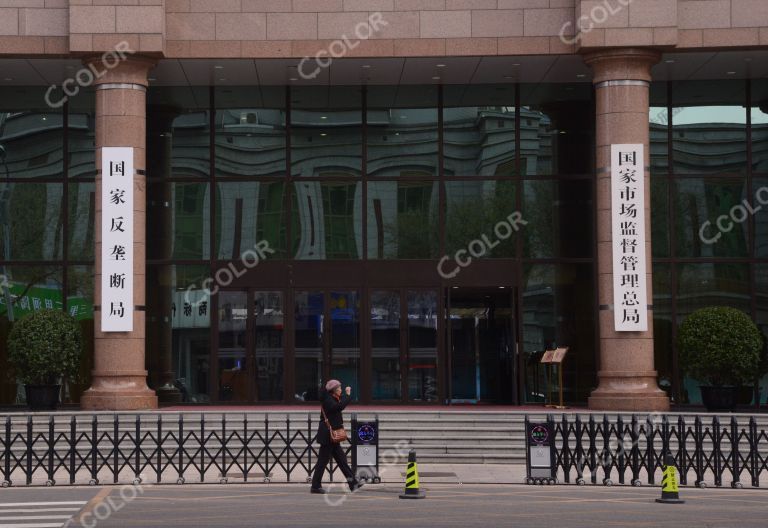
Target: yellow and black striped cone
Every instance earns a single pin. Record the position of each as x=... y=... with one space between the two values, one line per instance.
x=412 y=480
x=669 y=489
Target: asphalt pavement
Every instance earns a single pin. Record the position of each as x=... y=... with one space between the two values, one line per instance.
x=288 y=505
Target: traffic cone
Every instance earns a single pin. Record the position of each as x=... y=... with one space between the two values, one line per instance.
x=669 y=489
x=412 y=480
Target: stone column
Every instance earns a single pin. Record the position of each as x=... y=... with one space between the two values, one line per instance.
x=119 y=374
x=627 y=379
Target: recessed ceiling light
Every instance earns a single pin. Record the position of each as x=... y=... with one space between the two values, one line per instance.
x=730 y=73
x=151 y=79
x=440 y=65
x=222 y=79
x=510 y=77
x=670 y=61
x=366 y=66
x=293 y=79
x=562 y=131
x=403 y=117
x=581 y=75
x=436 y=78
x=323 y=117
x=515 y=64
x=219 y=67
x=323 y=134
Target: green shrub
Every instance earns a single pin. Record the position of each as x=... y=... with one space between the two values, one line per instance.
x=45 y=346
x=720 y=346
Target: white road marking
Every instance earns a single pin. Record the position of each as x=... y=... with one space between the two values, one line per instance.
x=41 y=514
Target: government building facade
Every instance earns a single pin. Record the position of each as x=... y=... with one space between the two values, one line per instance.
x=239 y=199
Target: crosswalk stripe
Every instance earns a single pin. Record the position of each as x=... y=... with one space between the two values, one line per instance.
x=34 y=518
x=36 y=525
x=22 y=504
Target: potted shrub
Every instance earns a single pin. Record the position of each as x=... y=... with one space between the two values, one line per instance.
x=45 y=348
x=720 y=346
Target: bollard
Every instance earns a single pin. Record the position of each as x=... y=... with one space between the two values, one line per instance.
x=412 y=480
x=669 y=489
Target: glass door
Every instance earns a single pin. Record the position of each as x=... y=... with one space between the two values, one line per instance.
x=482 y=345
x=268 y=345
x=233 y=343
x=422 y=310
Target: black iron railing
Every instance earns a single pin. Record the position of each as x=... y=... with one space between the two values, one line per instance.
x=704 y=449
x=156 y=448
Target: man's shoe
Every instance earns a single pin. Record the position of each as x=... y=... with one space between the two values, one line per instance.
x=356 y=486
x=320 y=491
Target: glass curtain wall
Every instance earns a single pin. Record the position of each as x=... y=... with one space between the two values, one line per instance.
x=708 y=144
x=47 y=209
x=391 y=175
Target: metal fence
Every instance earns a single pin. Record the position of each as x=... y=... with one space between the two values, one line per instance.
x=90 y=450
x=704 y=450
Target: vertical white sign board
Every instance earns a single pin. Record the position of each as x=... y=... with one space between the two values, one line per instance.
x=630 y=303
x=117 y=239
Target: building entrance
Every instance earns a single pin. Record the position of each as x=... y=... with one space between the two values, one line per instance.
x=482 y=345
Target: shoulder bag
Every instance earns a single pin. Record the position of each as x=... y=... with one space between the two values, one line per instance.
x=337 y=435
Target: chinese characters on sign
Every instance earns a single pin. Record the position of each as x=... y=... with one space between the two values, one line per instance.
x=117 y=239
x=628 y=224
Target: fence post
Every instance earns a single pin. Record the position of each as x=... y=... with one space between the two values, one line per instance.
x=650 y=456
x=309 y=446
x=245 y=447
x=287 y=447
x=753 y=453
x=223 y=469
x=94 y=447
x=580 y=458
x=735 y=460
x=682 y=437
x=203 y=447
x=717 y=451
x=267 y=446
x=620 y=438
x=29 y=450
x=115 y=448
x=158 y=460
x=72 y=448
x=7 y=454
x=180 y=478
x=699 y=453
x=51 y=441
x=635 y=455
x=566 y=450
x=137 y=447
x=592 y=449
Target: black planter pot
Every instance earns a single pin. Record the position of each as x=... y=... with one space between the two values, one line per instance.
x=719 y=398
x=42 y=397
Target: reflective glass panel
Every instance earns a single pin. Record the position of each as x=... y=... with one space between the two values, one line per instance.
x=385 y=345
x=422 y=346
x=327 y=220
x=268 y=327
x=403 y=219
x=308 y=323
x=31 y=134
x=250 y=131
x=31 y=221
x=326 y=131
x=709 y=127
x=178 y=221
x=479 y=130
x=478 y=215
x=559 y=218
x=251 y=217
x=345 y=339
x=233 y=364
x=402 y=131
x=710 y=218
